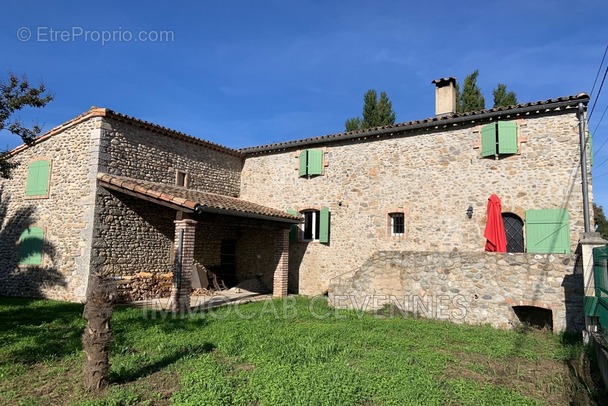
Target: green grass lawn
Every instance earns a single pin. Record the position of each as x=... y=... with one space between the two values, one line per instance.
x=298 y=352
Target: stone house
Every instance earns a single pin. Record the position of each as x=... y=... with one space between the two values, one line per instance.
x=391 y=215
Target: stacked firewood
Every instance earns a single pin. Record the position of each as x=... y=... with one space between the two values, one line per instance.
x=144 y=285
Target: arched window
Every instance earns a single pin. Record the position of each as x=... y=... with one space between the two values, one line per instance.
x=514 y=230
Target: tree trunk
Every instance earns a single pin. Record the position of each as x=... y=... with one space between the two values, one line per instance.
x=98 y=333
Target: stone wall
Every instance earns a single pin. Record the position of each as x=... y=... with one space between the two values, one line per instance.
x=66 y=216
x=468 y=287
x=144 y=154
x=132 y=234
x=432 y=175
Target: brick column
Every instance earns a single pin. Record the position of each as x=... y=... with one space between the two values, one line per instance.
x=182 y=284
x=281 y=257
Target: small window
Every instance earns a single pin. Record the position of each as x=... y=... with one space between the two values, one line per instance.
x=38 y=174
x=30 y=246
x=316 y=225
x=397 y=224
x=181 y=179
x=311 y=162
x=499 y=138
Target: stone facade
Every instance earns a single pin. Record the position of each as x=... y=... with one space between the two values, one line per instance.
x=431 y=175
x=150 y=155
x=430 y=171
x=476 y=288
x=66 y=216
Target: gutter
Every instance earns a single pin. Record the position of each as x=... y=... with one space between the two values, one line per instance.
x=413 y=126
x=200 y=209
x=583 y=150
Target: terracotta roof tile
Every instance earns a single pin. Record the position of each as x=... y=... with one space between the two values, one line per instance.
x=194 y=199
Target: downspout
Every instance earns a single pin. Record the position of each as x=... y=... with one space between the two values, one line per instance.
x=583 y=149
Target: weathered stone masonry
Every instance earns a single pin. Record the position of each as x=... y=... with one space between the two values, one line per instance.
x=469 y=287
x=66 y=216
x=432 y=175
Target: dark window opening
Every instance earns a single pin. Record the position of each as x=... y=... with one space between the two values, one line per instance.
x=312 y=225
x=514 y=230
x=533 y=316
x=397 y=223
x=182 y=179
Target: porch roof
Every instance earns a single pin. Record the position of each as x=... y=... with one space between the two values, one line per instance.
x=190 y=200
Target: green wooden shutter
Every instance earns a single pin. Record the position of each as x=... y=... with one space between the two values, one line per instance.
x=304 y=163
x=548 y=231
x=488 y=140
x=293 y=233
x=38 y=178
x=324 y=226
x=315 y=162
x=30 y=246
x=507 y=137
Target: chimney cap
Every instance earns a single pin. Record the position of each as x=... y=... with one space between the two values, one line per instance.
x=444 y=81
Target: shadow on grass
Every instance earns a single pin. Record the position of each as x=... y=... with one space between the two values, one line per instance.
x=130 y=375
x=35 y=330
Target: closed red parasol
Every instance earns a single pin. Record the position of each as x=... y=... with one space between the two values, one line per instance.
x=495 y=229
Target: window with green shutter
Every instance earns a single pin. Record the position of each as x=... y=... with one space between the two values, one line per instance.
x=499 y=138
x=38 y=179
x=311 y=162
x=30 y=246
x=548 y=231
x=316 y=225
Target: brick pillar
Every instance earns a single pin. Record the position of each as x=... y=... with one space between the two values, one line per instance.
x=281 y=256
x=182 y=284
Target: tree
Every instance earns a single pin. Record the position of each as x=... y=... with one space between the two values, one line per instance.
x=376 y=112
x=97 y=335
x=502 y=98
x=599 y=218
x=471 y=98
x=16 y=94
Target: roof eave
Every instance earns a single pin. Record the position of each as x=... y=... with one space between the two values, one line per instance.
x=416 y=125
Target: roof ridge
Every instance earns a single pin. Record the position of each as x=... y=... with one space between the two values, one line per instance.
x=435 y=120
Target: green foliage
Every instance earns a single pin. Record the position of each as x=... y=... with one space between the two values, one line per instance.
x=599 y=218
x=376 y=112
x=15 y=94
x=471 y=98
x=353 y=124
x=503 y=98
x=293 y=352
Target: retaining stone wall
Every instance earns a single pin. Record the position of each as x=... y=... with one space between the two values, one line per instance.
x=469 y=287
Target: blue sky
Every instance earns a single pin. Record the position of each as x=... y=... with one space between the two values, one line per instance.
x=245 y=73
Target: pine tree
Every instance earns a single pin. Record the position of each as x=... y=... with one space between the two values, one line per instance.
x=16 y=94
x=376 y=112
x=471 y=98
x=502 y=98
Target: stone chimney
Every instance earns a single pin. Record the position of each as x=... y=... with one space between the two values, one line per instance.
x=445 y=96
